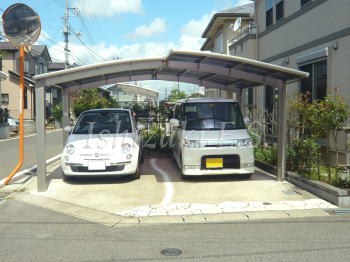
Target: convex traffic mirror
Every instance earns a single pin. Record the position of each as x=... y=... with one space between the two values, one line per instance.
x=21 y=25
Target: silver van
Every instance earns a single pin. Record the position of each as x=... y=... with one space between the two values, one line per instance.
x=210 y=138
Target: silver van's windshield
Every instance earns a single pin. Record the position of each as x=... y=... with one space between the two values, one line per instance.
x=108 y=122
x=213 y=116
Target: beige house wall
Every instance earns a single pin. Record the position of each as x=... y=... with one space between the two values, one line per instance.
x=10 y=86
x=329 y=17
x=306 y=32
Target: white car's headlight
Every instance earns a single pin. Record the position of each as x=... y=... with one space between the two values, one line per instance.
x=244 y=142
x=70 y=149
x=126 y=147
x=194 y=143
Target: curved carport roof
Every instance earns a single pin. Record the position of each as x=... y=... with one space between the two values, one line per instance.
x=202 y=68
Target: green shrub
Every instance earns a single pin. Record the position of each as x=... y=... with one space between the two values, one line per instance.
x=303 y=156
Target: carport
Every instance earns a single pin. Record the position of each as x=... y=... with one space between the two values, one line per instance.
x=207 y=69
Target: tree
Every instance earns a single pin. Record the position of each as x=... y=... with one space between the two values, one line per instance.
x=176 y=94
x=196 y=95
x=90 y=99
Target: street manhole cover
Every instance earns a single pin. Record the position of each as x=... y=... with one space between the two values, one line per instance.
x=171 y=252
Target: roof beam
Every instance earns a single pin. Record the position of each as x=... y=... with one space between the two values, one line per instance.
x=229 y=72
x=174 y=78
x=207 y=76
x=91 y=71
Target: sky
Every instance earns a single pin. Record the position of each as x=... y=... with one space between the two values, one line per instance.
x=102 y=30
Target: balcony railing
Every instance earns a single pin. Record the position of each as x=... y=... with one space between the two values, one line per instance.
x=245 y=31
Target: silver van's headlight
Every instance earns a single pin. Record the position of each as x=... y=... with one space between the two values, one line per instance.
x=126 y=147
x=70 y=149
x=194 y=143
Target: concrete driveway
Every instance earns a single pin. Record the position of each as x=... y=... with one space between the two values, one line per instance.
x=162 y=192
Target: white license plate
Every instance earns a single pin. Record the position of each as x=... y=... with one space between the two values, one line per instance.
x=97 y=165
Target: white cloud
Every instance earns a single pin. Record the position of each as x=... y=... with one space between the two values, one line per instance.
x=243 y=2
x=108 y=7
x=195 y=27
x=156 y=27
x=190 y=39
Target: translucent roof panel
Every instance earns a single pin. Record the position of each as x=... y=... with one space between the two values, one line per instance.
x=202 y=68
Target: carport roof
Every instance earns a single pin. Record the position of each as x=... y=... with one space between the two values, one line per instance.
x=202 y=68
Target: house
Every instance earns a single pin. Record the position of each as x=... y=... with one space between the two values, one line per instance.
x=309 y=35
x=221 y=31
x=125 y=94
x=36 y=61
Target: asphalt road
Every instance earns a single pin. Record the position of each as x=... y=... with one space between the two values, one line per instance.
x=9 y=151
x=30 y=233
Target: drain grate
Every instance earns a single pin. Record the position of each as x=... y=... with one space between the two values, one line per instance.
x=338 y=211
x=171 y=252
x=4 y=194
x=291 y=192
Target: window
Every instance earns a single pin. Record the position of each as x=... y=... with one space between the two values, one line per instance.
x=26 y=66
x=107 y=122
x=5 y=99
x=269 y=12
x=316 y=83
x=0 y=64
x=219 y=43
x=213 y=116
x=279 y=9
x=304 y=2
x=25 y=98
x=250 y=96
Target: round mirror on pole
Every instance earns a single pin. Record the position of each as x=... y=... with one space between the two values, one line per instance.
x=21 y=25
x=22 y=28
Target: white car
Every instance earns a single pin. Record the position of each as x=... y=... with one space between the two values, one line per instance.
x=210 y=138
x=103 y=142
x=13 y=124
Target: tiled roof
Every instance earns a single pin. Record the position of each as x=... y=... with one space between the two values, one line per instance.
x=7 y=46
x=55 y=66
x=242 y=9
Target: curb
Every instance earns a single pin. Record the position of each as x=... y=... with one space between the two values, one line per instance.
x=112 y=220
x=27 y=172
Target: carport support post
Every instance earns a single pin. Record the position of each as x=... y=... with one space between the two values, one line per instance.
x=65 y=109
x=281 y=130
x=40 y=136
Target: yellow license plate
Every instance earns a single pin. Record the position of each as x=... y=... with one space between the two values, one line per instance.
x=214 y=163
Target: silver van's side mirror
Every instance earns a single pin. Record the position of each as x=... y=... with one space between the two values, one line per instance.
x=68 y=129
x=247 y=120
x=174 y=122
x=140 y=127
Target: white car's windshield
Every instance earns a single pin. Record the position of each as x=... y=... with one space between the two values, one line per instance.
x=108 y=122
x=213 y=116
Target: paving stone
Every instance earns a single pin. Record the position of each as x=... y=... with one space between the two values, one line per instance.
x=161 y=220
x=90 y=214
x=225 y=217
x=212 y=210
x=267 y=215
x=194 y=219
x=277 y=206
x=236 y=205
x=180 y=212
x=307 y=213
x=129 y=220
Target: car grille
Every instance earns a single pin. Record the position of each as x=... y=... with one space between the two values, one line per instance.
x=229 y=161
x=86 y=170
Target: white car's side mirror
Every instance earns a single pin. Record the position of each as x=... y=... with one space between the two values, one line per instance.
x=140 y=127
x=68 y=129
x=174 y=122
